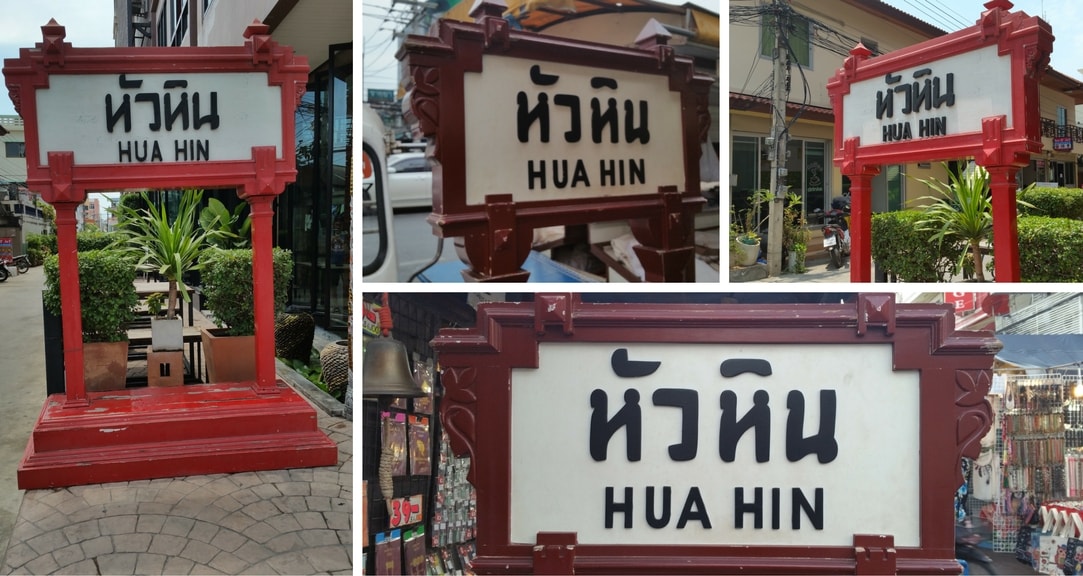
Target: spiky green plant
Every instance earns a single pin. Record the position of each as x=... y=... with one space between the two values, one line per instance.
x=962 y=213
x=170 y=248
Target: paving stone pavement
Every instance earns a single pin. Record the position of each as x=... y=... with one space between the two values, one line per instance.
x=296 y=521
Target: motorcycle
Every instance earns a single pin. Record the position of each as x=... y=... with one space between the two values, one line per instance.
x=967 y=547
x=836 y=238
x=4 y=273
x=22 y=263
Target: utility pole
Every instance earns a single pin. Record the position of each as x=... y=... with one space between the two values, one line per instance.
x=777 y=141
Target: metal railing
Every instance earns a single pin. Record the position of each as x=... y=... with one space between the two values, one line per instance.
x=1050 y=129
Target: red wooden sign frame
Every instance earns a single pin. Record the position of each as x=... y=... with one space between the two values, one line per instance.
x=54 y=57
x=258 y=425
x=498 y=234
x=1027 y=41
x=955 y=374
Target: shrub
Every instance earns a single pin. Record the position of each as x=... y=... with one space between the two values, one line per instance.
x=93 y=240
x=1052 y=202
x=227 y=284
x=1050 y=249
x=911 y=254
x=106 y=292
x=45 y=243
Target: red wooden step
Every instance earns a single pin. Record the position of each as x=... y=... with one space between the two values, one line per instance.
x=144 y=433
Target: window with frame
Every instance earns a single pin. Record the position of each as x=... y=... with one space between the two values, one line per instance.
x=15 y=149
x=797 y=37
x=180 y=21
x=417 y=164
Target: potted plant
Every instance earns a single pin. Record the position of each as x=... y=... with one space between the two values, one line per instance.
x=107 y=297
x=168 y=248
x=230 y=349
x=748 y=237
x=795 y=234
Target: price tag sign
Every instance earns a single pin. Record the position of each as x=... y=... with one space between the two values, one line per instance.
x=404 y=511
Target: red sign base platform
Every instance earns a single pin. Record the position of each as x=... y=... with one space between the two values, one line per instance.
x=144 y=433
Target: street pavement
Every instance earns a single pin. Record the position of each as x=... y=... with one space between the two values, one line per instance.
x=295 y=521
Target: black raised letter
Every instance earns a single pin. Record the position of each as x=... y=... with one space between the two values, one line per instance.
x=629 y=417
x=823 y=443
x=730 y=430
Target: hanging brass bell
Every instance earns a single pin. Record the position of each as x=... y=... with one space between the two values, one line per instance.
x=386 y=371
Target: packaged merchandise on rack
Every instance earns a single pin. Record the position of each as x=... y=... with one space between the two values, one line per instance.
x=455 y=512
x=395 y=441
x=415 y=552
x=423 y=372
x=420 y=463
x=389 y=553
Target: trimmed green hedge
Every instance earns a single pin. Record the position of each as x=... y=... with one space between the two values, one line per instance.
x=227 y=285
x=1052 y=202
x=106 y=291
x=94 y=240
x=40 y=246
x=1050 y=249
x=899 y=248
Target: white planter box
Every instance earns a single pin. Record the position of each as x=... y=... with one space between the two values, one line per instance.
x=166 y=334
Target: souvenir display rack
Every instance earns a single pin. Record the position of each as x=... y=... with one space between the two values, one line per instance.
x=406 y=437
x=1030 y=423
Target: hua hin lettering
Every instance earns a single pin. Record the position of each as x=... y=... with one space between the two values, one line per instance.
x=606 y=123
x=732 y=427
x=925 y=93
x=171 y=110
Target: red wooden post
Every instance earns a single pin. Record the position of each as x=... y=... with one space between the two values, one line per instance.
x=1005 y=225
x=263 y=281
x=861 y=227
x=66 y=198
x=70 y=307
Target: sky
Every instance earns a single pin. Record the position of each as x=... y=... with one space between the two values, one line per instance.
x=379 y=49
x=952 y=15
x=87 y=24
x=380 y=67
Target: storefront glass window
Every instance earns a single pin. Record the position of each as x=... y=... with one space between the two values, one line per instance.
x=315 y=211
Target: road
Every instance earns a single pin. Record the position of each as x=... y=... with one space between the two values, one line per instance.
x=22 y=383
x=416 y=244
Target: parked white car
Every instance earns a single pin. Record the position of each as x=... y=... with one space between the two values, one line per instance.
x=409 y=177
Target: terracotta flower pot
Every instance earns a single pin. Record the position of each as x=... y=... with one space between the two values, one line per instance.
x=229 y=358
x=105 y=365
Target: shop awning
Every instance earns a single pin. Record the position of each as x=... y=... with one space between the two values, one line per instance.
x=537 y=15
x=1040 y=351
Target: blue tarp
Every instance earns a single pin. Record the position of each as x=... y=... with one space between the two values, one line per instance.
x=1041 y=351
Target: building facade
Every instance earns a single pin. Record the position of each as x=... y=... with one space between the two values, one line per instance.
x=312 y=217
x=819 y=35
x=20 y=213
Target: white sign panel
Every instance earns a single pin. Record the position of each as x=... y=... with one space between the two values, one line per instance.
x=701 y=451
x=941 y=98
x=158 y=118
x=549 y=131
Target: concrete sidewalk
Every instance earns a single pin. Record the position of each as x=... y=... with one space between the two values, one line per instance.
x=274 y=522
